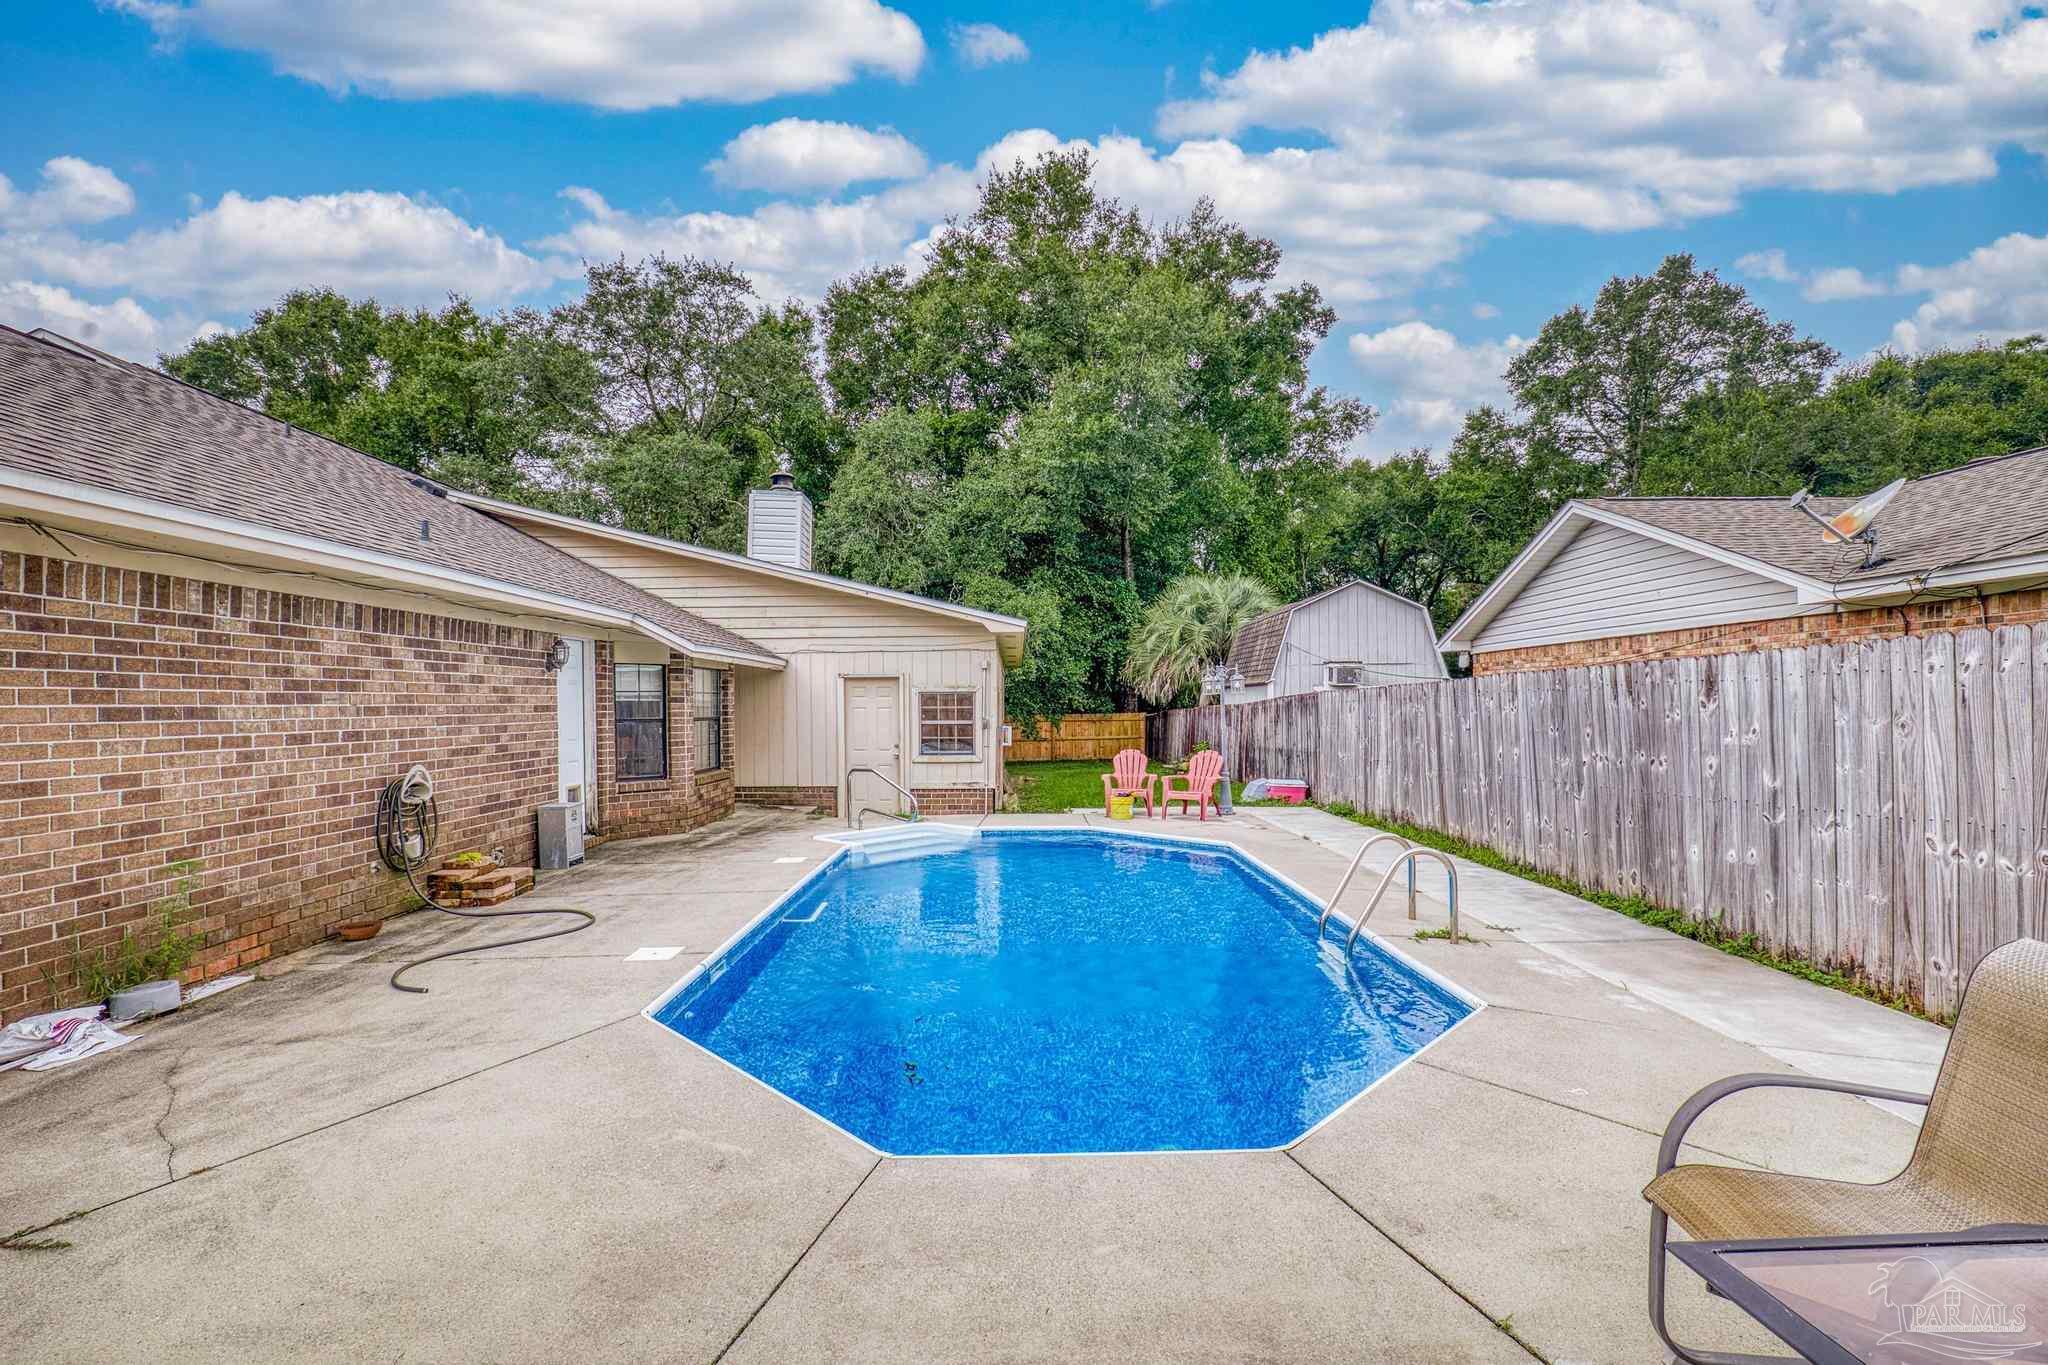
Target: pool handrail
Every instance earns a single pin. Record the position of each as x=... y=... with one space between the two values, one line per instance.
x=1352 y=871
x=916 y=809
x=1409 y=857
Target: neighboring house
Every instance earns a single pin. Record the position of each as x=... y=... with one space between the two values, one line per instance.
x=1618 y=579
x=224 y=635
x=874 y=678
x=1353 y=635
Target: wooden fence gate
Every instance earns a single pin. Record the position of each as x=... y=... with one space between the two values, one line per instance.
x=1878 y=807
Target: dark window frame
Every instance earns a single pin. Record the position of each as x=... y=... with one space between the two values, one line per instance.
x=637 y=698
x=716 y=720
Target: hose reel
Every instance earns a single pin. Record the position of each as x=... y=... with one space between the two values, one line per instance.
x=408 y=822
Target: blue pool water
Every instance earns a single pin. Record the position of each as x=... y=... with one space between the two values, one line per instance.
x=1047 y=991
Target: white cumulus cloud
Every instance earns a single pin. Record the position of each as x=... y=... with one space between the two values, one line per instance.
x=1425 y=380
x=243 y=252
x=1995 y=293
x=73 y=191
x=122 y=327
x=1627 y=113
x=800 y=154
x=615 y=54
x=1840 y=282
x=788 y=250
x=979 y=45
x=1768 y=265
x=1827 y=284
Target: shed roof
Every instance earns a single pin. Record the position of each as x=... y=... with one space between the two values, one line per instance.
x=76 y=415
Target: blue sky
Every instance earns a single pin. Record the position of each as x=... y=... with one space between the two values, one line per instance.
x=1449 y=174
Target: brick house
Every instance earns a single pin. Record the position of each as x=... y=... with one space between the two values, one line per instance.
x=1611 y=580
x=222 y=636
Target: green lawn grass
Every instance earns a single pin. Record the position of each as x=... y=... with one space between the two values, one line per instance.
x=1061 y=785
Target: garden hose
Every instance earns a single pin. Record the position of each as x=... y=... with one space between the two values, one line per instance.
x=407 y=822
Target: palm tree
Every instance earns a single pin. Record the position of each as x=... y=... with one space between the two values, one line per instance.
x=1188 y=628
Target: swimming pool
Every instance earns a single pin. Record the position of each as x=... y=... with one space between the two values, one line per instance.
x=1048 y=991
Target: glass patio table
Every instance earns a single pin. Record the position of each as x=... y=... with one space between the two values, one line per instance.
x=1931 y=1299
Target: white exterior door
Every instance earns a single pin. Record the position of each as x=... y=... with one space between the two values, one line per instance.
x=572 y=711
x=874 y=739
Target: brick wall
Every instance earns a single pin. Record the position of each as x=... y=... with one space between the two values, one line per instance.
x=147 y=719
x=685 y=798
x=825 y=800
x=956 y=800
x=1949 y=614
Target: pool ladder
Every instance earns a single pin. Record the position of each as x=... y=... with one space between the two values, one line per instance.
x=1409 y=853
x=916 y=808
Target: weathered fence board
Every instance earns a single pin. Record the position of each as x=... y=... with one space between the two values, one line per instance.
x=1880 y=807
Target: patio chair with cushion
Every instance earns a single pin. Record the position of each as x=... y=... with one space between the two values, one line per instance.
x=1979 y=1159
x=1198 y=787
x=1128 y=778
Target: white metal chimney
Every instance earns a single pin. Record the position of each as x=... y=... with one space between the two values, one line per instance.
x=779 y=522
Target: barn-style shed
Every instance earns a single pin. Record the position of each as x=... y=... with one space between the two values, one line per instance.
x=1352 y=635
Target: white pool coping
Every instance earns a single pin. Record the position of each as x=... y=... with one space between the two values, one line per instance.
x=1476 y=1003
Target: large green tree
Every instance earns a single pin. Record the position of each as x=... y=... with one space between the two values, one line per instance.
x=1108 y=402
x=1610 y=385
x=485 y=402
x=700 y=392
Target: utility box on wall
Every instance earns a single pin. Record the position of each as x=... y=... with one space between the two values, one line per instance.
x=560 y=843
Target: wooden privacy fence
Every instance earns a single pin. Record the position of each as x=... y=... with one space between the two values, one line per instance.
x=1879 y=807
x=1078 y=736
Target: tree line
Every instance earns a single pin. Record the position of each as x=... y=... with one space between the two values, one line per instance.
x=1071 y=408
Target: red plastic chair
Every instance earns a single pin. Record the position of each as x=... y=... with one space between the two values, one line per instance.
x=1129 y=778
x=1205 y=769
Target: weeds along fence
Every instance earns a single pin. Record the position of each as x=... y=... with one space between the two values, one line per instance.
x=1078 y=736
x=1879 y=807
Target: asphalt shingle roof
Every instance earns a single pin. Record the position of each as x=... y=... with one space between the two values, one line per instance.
x=1979 y=513
x=1256 y=645
x=120 y=426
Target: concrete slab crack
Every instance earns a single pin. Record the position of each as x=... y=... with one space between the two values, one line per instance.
x=777 y=1289
x=1503 y=1325
x=170 y=1103
x=171 y=1153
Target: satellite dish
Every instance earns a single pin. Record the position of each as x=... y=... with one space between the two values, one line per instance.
x=1854 y=523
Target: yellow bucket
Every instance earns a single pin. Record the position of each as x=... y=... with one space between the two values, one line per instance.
x=1120 y=807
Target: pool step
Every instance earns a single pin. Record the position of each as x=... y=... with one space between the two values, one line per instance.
x=913 y=840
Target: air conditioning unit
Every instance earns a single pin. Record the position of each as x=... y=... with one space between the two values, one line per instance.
x=560 y=843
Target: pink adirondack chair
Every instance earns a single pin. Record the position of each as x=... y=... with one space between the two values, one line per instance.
x=1205 y=769
x=1129 y=778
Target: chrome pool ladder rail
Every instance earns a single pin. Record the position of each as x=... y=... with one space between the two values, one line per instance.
x=1352 y=871
x=1407 y=857
x=916 y=809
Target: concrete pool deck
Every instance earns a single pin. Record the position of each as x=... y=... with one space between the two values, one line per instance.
x=519 y=1166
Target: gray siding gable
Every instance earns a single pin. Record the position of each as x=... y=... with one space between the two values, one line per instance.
x=1391 y=635
x=1608 y=581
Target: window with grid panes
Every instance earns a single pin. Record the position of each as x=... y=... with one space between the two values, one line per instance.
x=640 y=704
x=707 y=712
x=945 y=724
